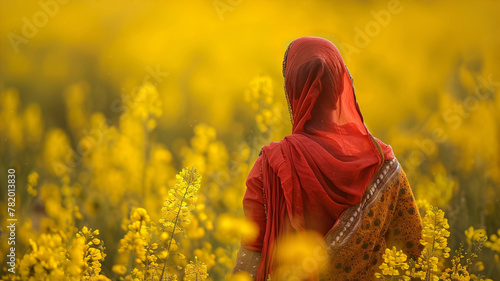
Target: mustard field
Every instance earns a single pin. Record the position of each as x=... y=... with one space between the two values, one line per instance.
x=128 y=128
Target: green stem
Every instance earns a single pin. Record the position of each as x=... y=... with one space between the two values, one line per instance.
x=175 y=223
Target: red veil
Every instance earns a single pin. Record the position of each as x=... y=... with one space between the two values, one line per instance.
x=325 y=165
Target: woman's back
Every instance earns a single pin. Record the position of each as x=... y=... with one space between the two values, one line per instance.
x=312 y=178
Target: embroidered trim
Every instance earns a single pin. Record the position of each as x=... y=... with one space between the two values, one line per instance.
x=373 y=190
x=262 y=185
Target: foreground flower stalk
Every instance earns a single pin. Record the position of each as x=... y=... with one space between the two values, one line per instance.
x=179 y=204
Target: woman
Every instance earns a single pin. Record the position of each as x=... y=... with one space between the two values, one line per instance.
x=330 y=176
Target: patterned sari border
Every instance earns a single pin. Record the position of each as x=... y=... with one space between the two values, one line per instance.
x=349 y=220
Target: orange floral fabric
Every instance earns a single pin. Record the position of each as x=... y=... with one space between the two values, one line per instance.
x=387 y=216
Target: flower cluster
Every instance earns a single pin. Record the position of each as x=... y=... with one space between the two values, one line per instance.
x=296 y=252
x=45 y=260
x=51 y=257
x=195 y=271
x=494 y=242
x=430 y=264
x=181 y=201
x=148 y=246
x=457 y=272
x=439 y=189
x=93 y=252
x=142 y=245
x=475 y=235
x=147 y=105
x=434 y=240
x=395 y=266
x=261 y=98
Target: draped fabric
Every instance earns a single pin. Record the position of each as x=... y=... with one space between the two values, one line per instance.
x=387 y=216
x=310 y=177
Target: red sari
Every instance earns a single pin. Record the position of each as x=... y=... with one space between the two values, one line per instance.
x=307 y=180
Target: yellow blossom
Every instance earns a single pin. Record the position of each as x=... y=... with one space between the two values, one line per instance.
x=296 y=251
x=394 y=264
x=119 y=269
x=32 y=183
x=494 y=242
x=195 y=271
x=474 y=235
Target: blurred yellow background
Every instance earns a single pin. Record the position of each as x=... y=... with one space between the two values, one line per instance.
x=104 y=101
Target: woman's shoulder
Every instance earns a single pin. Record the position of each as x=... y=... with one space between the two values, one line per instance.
x=270 y=147
x=275 y=147
x=274 y=153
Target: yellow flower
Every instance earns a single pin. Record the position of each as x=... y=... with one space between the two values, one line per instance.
x=77 y=265
x=180 y=201
x=494 y=242
x=58 y=153
x=11 y=127
x=435 y=230
x=296 y=252
x=205 y=255
x=119 y=269
x=195 y=271
x=394 y=264
x=260 y=92
x=140 y=215
x=75 y=96
x=422 y=204
x=93 y=251
x=32 y=183
x=48 y=253
x=479 y=266
x=434 y=239
x=33 y=123
x=474 y=235
x=264 y=119
x=203 y=136
x=146 y=105
x=457 y=272
x=231 y=229
x=438 y=189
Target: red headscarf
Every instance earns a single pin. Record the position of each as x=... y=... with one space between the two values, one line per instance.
x=325 y=165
